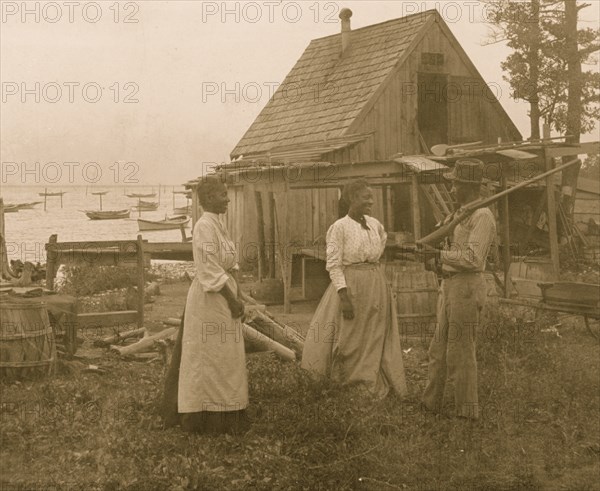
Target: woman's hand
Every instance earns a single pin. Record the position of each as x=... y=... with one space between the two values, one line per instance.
x=236 y=307
x=346 y=303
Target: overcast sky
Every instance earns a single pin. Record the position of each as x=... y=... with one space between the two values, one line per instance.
x=162 y=68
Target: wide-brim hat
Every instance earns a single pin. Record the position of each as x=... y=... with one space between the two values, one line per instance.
x=468 y=171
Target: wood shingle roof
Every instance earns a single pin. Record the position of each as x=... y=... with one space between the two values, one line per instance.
x=325 y=92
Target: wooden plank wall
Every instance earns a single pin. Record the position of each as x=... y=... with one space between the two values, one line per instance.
x=393 y=118
x=587 y=205
x=310 y=214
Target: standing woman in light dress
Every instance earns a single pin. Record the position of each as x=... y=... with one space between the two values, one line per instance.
x=353 y=337
x=207 y=377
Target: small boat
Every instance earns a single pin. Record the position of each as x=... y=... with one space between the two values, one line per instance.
x=184 y=210
x=10 y=208
x=107 y=214
x=146 y=205
x=137 y=195
x=169 y=223
x=58 y=193
x=28 y=206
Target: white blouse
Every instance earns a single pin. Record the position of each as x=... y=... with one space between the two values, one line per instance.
x=214 y=252
x=349 y=243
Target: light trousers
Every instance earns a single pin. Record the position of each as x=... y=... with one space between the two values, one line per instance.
x=452 y=350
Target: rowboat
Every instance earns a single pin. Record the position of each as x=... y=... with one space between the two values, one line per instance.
x=137 y=195
x=58 y=193
x=10 y=208
x=146 y=205
x=169 y=223
x=22 y=206
x=184 y=210
x=107 y=215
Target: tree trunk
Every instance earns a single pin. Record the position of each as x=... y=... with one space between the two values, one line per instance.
x=534 y=70
x=574 y=103
x=574 y=73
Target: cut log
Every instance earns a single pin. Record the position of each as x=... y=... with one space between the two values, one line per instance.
x=120 y=336
x=145 y=344
x=171 y=321
x=282 y=334
x=260 y=339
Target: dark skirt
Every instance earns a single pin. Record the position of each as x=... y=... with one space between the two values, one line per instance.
x=205 y=422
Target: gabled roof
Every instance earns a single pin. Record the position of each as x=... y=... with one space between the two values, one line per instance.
x=324 y=92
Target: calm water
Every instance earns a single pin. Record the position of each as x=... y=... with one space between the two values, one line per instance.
x=27 y=231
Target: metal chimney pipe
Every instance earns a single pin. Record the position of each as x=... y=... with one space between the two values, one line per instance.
x=345 y=15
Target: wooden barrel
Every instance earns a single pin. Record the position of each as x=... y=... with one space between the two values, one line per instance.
x=27 y=346
x=416 y=292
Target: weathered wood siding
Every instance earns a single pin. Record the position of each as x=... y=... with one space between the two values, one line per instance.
x=473 y=113
x=587 y=205
x=310 y=213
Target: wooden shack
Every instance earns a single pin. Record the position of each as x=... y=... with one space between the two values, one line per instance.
x=366 y=95
x=372 y=102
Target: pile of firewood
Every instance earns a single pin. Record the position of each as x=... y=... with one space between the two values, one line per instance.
x=261 y=331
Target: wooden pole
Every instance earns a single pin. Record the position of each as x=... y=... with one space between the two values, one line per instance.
x=260 y=224
x=505 y=238
x=416 y=207
x=100 y=202
x=61 y=199
x=140 y=283
x=51 y=259
x=551 y=209
x=534 y=220
x=196 y=212
x=272 y=235
x=384 y=199
x=2 y=218
x=45 y=197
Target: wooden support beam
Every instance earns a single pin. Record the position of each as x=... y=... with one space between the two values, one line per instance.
x=416 y=206
x=51 y=261
x=2 y=232
x=535 y=218
x=505 y=239
x=283 y=227
x=141 y=283
x=336 y=183
x=579 y=149
x=260 y=231
x=272 y=245
x=551 y=208
x=384 y=199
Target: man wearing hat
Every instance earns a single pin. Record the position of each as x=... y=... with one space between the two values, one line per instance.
x=464 y=291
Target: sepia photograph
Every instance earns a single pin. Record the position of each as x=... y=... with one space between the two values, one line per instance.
x=299 y=245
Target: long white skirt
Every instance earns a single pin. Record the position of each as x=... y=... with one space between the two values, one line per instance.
x=365 y=349
x=212 y=373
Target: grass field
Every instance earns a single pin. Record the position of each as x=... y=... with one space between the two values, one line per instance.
x=540 y=426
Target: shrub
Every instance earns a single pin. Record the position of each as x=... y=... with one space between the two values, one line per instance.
x=88 y=280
